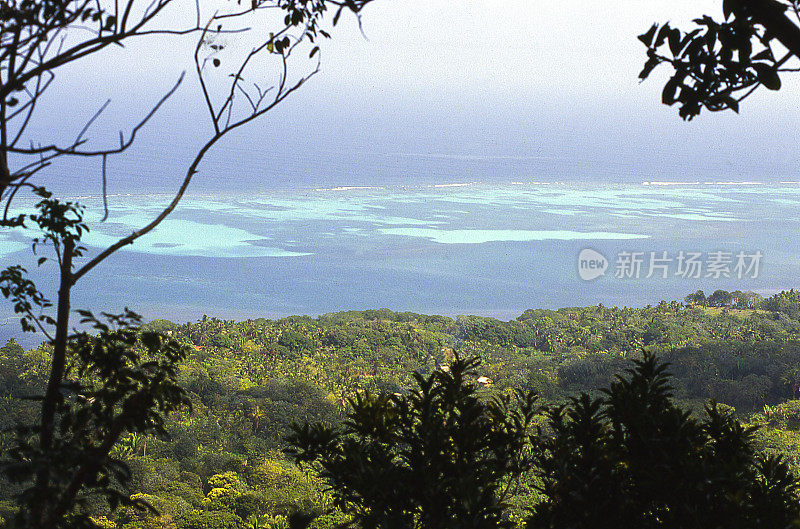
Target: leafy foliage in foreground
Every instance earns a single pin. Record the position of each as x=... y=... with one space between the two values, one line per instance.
x=719 y=63
x=424 y=459
x=122 y=381
x=632 y=458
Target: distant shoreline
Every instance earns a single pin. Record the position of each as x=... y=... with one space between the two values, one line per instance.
x=444 y=186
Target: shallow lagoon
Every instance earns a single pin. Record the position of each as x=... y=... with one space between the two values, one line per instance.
x=493 y=249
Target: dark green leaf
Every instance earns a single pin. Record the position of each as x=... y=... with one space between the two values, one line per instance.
x=662 y=35
x=647 y=38
x=675 y=42
x=670 y=89
x=767 y=75
x=648 y=67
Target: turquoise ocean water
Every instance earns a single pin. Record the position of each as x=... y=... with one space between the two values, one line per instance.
x=458 y=248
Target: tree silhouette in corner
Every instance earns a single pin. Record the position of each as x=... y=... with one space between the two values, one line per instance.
x=632 y=458
x=720 y=63
x=121 y=380
x=439 y=457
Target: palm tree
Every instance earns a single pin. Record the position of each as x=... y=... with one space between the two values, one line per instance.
x=256 y=414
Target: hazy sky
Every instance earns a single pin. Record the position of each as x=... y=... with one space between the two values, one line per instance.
x=520 y=78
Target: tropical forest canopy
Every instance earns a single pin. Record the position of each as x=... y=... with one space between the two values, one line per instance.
x=223 y=462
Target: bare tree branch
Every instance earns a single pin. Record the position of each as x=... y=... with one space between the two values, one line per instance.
x=125 y=241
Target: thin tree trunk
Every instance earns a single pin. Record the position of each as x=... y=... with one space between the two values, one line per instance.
x=93 y=464
x=51 y=397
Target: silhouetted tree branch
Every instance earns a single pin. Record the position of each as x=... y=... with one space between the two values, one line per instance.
x=36 y=40
x=719 y=64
